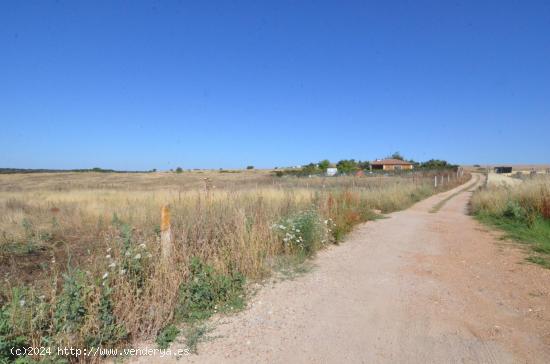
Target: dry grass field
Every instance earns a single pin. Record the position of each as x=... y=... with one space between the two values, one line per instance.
x=495 y=179
x=80 y=256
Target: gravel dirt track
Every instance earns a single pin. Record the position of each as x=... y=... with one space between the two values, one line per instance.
x=416 y=287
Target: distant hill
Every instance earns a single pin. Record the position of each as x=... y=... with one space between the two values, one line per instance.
x=100 y=170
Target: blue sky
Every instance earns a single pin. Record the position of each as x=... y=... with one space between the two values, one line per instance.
x=161 y=84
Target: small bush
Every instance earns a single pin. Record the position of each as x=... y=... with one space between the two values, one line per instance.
x=208 y=291
x=514 y=211
x=304 y=232
x=70 y=309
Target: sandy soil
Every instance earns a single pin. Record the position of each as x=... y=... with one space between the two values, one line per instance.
x=417 y=287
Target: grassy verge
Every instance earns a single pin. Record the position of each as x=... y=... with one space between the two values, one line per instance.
x=536 y=235
x=522 y=212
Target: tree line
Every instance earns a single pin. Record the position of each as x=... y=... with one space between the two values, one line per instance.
x=349 y=166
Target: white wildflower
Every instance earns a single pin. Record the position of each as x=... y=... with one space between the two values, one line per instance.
x=122 y=272
x=108 y=256
x=105 y=275
x=112 y=265
x=22 y=303
x=138 y=256
x=142 y=245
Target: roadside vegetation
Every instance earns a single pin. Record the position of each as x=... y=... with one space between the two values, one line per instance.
x=79 y=261
x=522 y=211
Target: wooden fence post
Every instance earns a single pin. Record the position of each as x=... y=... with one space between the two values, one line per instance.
x=435 y=181
x=165 y=233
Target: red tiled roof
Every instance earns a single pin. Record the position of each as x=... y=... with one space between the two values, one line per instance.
x=390 y=161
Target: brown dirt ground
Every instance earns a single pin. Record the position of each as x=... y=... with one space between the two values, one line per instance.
x=417 y=287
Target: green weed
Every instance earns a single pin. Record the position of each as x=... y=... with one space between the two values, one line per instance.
x=207 y=292
x=167 y=335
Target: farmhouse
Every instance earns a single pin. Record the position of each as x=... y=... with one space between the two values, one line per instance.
x=390 y=164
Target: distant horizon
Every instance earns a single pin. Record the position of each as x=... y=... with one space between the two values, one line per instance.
x=244 y=168
x=143 y=85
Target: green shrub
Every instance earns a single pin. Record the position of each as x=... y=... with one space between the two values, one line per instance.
x=24 y=318
x=76 y=318
x=70 y=309
x=10 y=337
x=208 y=291
x=513 y=210
x=304 y=232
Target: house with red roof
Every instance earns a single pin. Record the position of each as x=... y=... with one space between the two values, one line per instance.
x=390 y=164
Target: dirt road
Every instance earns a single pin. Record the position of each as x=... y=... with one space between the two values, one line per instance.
x=417 y=287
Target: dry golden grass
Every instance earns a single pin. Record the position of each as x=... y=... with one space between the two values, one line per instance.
x=532 y=193
x=107 y=226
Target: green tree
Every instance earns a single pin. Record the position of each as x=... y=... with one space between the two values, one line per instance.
x=397 y=155
x=310 y=169
x=347 y=166
x=179 y=170
x=249 y=167
x=437 y=164
x=363 y=165
x=324 y=164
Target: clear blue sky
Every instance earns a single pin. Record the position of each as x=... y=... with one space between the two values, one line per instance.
x=159 y=84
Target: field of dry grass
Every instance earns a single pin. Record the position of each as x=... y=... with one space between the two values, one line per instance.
x=80 y=252
x=496 y=179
